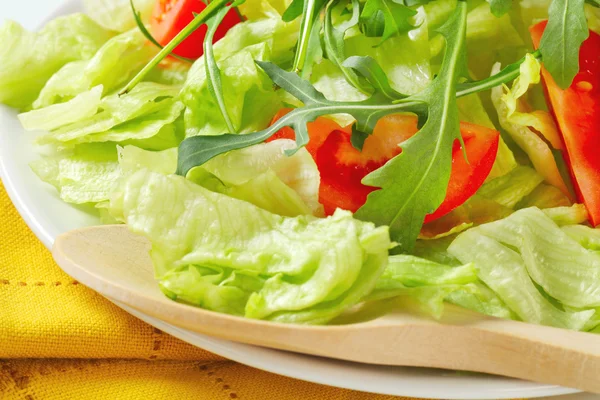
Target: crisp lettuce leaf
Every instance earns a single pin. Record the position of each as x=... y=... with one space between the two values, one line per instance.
x=593 y=16
x=409 y=70
x=120 y=58
x=478 y=297
x=249 y=95
x=87 y=174
x=491 y=39
x=132 y=159
x=313 y=269
x=531 y=240
x=584 y=235
x=538 y=150
x=475 y=211
x=544 y=196
x=259 y=9
x=170 y=72
x=540 y=120
x=471 y=109
x=561 y=216
x=504 y=271
x=262 y=175
x=268 y=192
x=147 y=111
x=84 y=105
x=265 y=176
x=116 y=15
x=30 y=59
x=511 y=188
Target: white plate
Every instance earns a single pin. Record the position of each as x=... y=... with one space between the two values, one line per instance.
x=48 y=217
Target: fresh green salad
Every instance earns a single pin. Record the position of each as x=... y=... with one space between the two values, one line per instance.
x=293 y=160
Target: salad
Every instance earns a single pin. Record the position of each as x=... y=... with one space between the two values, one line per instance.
x=292 y=160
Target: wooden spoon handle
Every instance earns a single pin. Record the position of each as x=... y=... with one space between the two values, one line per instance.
x=115 y=263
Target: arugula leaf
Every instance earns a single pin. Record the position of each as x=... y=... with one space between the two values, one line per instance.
x=334 y=45
x=386 y=18
x=197 y=150
x=500 y=7
x=215 y=86
x=309 y=43
x=414 y=183
x=199 y=20
x=566 y=30
x=374 y=74
x=293 y=11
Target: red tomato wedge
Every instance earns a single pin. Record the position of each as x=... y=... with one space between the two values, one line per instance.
x=342 y=167
x=577 y=112
x=171 y=16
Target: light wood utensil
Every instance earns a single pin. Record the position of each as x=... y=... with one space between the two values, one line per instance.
x=116 y=263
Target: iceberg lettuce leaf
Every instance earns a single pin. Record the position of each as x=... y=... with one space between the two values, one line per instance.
x=140 y=115
x=530 y=243
x=313 y=269
x=41 y=54
x=111 y=66
x=116 y=15
x=504 y=271
x=88 y=174
x=84 y=105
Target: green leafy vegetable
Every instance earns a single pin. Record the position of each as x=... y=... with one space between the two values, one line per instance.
x=334 y=44
x=293 y=11
x=566 y=30
x=224 y=254
x=199 y=20
x=197 y=150
x=215 y=86
x=116 y=14
x=87 y=174
x=309 y=43
x=374 y=74
x=42 y=54
x=425 y=161
x=84 y=105
x=500 y=7
x=507 y=271
x=115 y=62
x=511 y=188
x=150 y=110
x=386 y=18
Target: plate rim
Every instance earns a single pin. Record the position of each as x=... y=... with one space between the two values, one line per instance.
x=223 y=348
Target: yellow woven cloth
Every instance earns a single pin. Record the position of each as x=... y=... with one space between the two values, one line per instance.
x=60 y=340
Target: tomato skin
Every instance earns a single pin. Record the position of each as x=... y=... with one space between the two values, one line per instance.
x=577 y=113
x=342 y=167
x=171 y=16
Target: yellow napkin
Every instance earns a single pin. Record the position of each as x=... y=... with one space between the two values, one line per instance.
x=60 y=340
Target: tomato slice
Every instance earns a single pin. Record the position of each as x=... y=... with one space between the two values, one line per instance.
x=342 y=167
x=171 y=16
x=577 y=113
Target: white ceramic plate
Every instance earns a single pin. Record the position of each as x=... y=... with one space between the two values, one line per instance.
x=48 y=217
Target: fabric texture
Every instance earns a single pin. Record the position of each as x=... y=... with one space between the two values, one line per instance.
x=61 y=340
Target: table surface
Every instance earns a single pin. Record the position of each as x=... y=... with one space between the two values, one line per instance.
x=31 y=12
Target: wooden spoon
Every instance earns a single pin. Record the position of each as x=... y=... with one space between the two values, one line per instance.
x=114 y=262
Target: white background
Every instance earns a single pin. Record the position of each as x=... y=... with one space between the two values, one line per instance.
x=30 y=13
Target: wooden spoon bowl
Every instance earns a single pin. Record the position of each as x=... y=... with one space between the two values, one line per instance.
x=116 y=263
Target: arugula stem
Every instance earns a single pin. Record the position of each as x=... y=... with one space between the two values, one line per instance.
x=196 y=23
x=308 y=20
x=138 y=20
x=508 y=74
x=212 y=69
